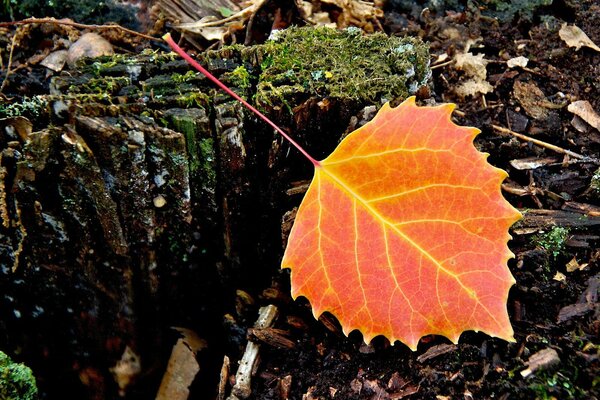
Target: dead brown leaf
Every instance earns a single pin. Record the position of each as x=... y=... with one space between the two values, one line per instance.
x=531 y=98
x=583 y=109
x=575 y=37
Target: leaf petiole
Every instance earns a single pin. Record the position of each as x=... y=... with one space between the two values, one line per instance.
x=167 y=38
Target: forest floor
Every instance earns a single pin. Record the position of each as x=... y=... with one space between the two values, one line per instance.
x=508 y=70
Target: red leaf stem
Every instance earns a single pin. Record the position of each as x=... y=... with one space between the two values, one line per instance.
x=230 y=92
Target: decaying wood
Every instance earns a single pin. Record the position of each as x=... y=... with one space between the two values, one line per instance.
x=243 y=376
x=536 y=220
x=141 y=191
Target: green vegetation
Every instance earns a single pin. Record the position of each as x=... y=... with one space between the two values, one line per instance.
x=29 y=107
x=595 y=182
x=553 y=241
x=240 y=78
x=555 y=385
x=16 y=380
x=344 y=64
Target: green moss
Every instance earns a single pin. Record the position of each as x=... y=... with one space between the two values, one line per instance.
x=240 y=78
x=106 y=84
x=345 y=64
x=595 y=182
x=553 y=241
x=193 y=99
x=207 y=158
x=179 y=78
x=16 y=380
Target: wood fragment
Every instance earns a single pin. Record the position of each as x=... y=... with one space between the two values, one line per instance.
x=223 y=378
x=436 y=351
x=180 y=373
x=273 y=337
x=67 y=22
x=242 y=388
x=544 y=144
x=542 y=360
x=285 y=384
x=535 y=220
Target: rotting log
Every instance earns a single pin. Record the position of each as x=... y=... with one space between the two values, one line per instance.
x=144 y=197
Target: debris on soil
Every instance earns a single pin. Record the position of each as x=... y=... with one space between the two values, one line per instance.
x=533 y=68
x=542 y=360
x=575 y=37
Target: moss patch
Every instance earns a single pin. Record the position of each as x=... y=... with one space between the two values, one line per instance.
x=16 y=380
x=345 y=64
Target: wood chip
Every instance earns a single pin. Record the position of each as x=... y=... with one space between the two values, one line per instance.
x=436 y=351
x=180 y=373
x=517 y=62
x=530 y=163
x=542 y=360
x=575 y=37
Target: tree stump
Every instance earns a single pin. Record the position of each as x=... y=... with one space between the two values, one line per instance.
x=145 y=197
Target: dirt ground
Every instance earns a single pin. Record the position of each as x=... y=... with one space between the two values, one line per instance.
x=478 y=55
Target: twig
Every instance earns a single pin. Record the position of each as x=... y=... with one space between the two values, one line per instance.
x=55 y=21
x=10 y=57
x=223 y=378
x=442 y=64
x=544 y=144
x=242 y=388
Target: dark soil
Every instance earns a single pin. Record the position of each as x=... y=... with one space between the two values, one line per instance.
x=552 y=306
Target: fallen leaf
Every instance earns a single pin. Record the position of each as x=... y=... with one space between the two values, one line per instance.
x=403 y=231
x=18 y=127
x=530 y=163
x=474 y=67
x=583 y=109
x=559 y=277
x=575 y=37
x=531 y=98
x=574 y=310
x=55 y=60
x=89 y=45
x=573 y=265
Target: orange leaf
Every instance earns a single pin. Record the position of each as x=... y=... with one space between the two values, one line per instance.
x=403 y=231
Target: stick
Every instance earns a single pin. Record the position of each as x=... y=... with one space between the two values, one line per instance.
x=55 y=21
x=544 y=144
x=242 y=388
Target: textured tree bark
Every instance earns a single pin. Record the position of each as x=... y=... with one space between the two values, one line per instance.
x=147 y=200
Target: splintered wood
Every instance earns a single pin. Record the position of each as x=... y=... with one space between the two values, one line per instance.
x=242 y=388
